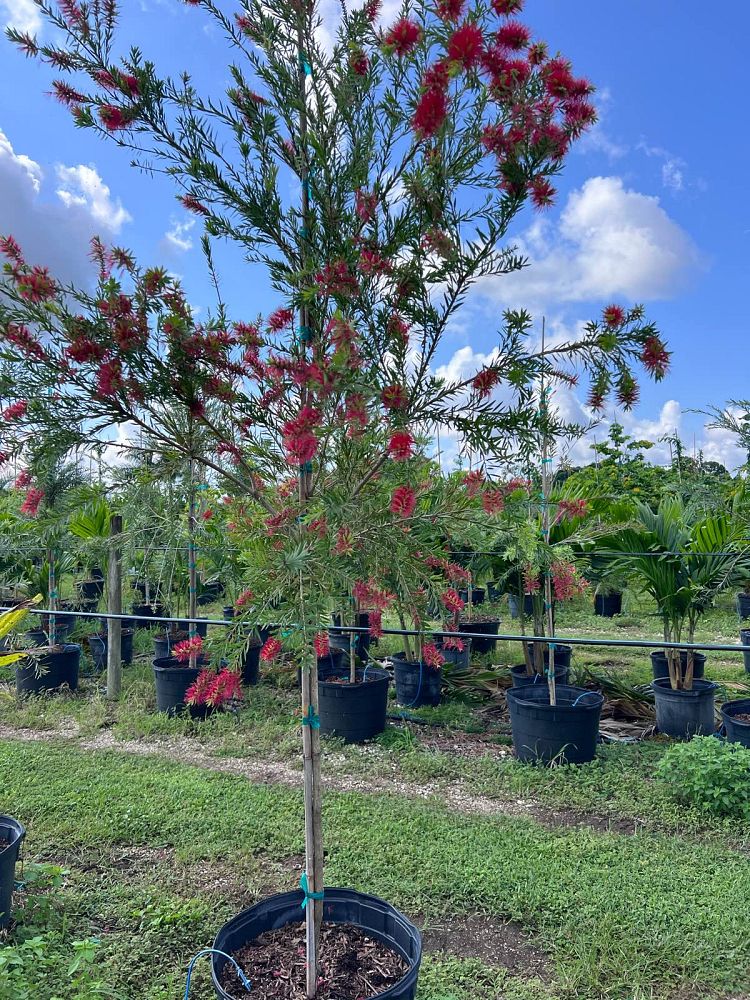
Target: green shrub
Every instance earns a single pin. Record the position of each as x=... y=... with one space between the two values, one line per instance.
x=710 y=775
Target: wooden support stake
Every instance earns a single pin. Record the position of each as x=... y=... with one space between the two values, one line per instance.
x=114 y=607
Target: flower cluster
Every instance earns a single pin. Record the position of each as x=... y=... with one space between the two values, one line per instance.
x=32 y=502
x=244 y=599
x=569 y=510
x=452 y=601
x=403 y=501
x=271 y=649
x=214 y=690
x=431 y=656
x=401 y=446
x=183 y=651
x=566 y=581
x=321 y=645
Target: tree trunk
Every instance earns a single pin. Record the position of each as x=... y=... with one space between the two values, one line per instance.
x=52 y=601
x=114 y=607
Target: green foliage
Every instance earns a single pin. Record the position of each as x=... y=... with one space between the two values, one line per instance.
x=708 y=774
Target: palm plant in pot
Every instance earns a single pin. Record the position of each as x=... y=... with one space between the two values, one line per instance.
x=683 y=559
x=412 y=153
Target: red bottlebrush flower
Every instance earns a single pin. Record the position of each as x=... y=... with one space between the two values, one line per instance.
x=109 y=378
x=321 y=645
x=398 y=328
x=227 y=686
x=244 y=598
x=359 y=63
x=531 y=582
x=613 y=317
x=437 y=76
x=365 y=205
x=207 y=514
x=430 y=113
x=485 y=381
x=336 y=279
x=372 y=9
x=270 y=650
x=198 y=692
x=473 y=482
x=193 y=205
x=301 y=449
x=36 y=285
x=31 y=504
x=655 y=357
x=23 y=479
x=370 y=262
x=542 y=192
x=450 y=10
x=505 y=8
x=513 y=35
x=15 y=411
x=193 y=646
x=627 y=390
x=403 y=501
x=344 y=545
x=431 y=656
x=402 y=37
x=21 y=336
x=401 y=446
x=318 y=526
x=280 y=319
x=465 y=46
x=566 y=581
x=376 y=624
x=66 y=94
x=579 y=116
x=27 y=44
x=9 y=248
x=537 y=55
x=493 y=501
x=355 y=414
x=394 y=397
x=453 y=642
x=114 y=118
x=568 y=510
x=452 y=601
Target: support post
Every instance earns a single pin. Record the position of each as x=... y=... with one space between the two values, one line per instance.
x=114 y=607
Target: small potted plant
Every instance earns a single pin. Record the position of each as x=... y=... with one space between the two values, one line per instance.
x=608 y=595
x=175 y=673
x=213 y=691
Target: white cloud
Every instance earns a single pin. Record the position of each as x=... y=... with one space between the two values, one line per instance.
x=22 y=14
x=610 y=241
x=597 y=139
x=177 y=238
x=56 y=232
x=82 y=186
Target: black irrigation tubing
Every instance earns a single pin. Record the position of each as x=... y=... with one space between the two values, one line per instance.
x=499 y=637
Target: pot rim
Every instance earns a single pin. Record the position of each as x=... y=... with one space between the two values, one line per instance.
x=662 y=686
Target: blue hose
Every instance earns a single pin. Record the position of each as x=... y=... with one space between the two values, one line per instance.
x=214 y=951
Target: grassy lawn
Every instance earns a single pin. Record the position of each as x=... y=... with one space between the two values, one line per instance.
x=152 y=854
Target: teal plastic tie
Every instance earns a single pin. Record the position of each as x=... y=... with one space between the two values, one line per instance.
x=305 y=334
x=313 y=721
x=202 y=486
x=305 y=887
x=307 y=68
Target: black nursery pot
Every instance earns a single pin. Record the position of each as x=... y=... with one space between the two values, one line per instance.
x=684 y=714
x=743 y=605
x=477 y=595
x=60 y=667
x=12 y=833
x=228 y=612
x=375 y=917
x=521 y=679
x=172 y=681
x=251 y=664
x=457 y=657
x=745 y=641
x=736 y=730
x=40 y=636
x=481 y=628
x=660 y=667
x=90 y=590
x=567 y=731
x=342 y=640
x=416 y=683
x=143 y=612
x=184 y=625
x=98 y=648
x=354 y=712
x=528 y=605
x=607 y=605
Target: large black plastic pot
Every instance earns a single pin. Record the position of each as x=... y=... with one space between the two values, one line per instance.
x=228 y=612
x=40 y=636
x=607 y=605
x=416 y=683
x=59 y=667
x=330 y=665
x=354 y=712
x=172 y=681
x=745 y=641
x=251 y=664
x=521 y=679
x=736 y=730
x=482 y=628
x=477 y=595
x=660 y=667
x=143 y=612
x=184 y=625
x=567 y=731
x=375 y=917
x=457 y=657
x=528 y=605
x=684 y=714
x=98 y=648
x=212 y=591
x=562 y=656
x=743 y=605
x=11 y=837
x=90 y=590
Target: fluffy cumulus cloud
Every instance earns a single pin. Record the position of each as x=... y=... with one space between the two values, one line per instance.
x=177 y=238
x=53 y=216
x=610 y=241
x=21 y=14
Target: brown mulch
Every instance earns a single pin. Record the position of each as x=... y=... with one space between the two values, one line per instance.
x=353 y=966
x=741 y=717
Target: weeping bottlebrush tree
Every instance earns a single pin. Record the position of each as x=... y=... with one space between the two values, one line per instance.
x=408 y=150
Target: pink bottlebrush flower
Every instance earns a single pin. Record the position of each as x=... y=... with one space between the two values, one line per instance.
x=513 y=35
x=244 y=598
x=113 y=118
x=336 y=279
x=402 y=37
x=473 y=481
x=227 y=686
x=465 y=46
x=452 y=601
x=365 y=205
x=430 y=113
x=376 y=624
x=403 y=501
x=401 y=446
x=372 y=9
x=485 y=381
x=531 y=584
x=318 y=526
x=344 y=545
x=207 y=514
x=193 y=646
x=36 y=285
x=199 y=691
x=271 y=649
x=321 y=645
x=193 y=205
x=431 y=656
x=9 y=248
x=515 y=484
x=450 y=10
x=32 y=502
x=66 y=94
x=655 y=357
x=505 y=8
x=580 y=115
x=355 y=414
x=395 y=397
x=566 y=581
x=456 y=573
x=370 y=262
x=453 y=642
x=15 y=411
x=109 y=378
x=359 y=63
x=300 y=448
x=493 y=501
x=280 y=319
x=398 y=328
x=568 y=510
x=542 y=192
x=23 y=479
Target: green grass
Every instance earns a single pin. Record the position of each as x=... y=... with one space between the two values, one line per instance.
x=623 y=916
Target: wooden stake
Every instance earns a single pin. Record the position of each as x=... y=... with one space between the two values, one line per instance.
x=114 y=607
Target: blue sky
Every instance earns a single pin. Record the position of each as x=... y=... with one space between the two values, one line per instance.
x=650 y=207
